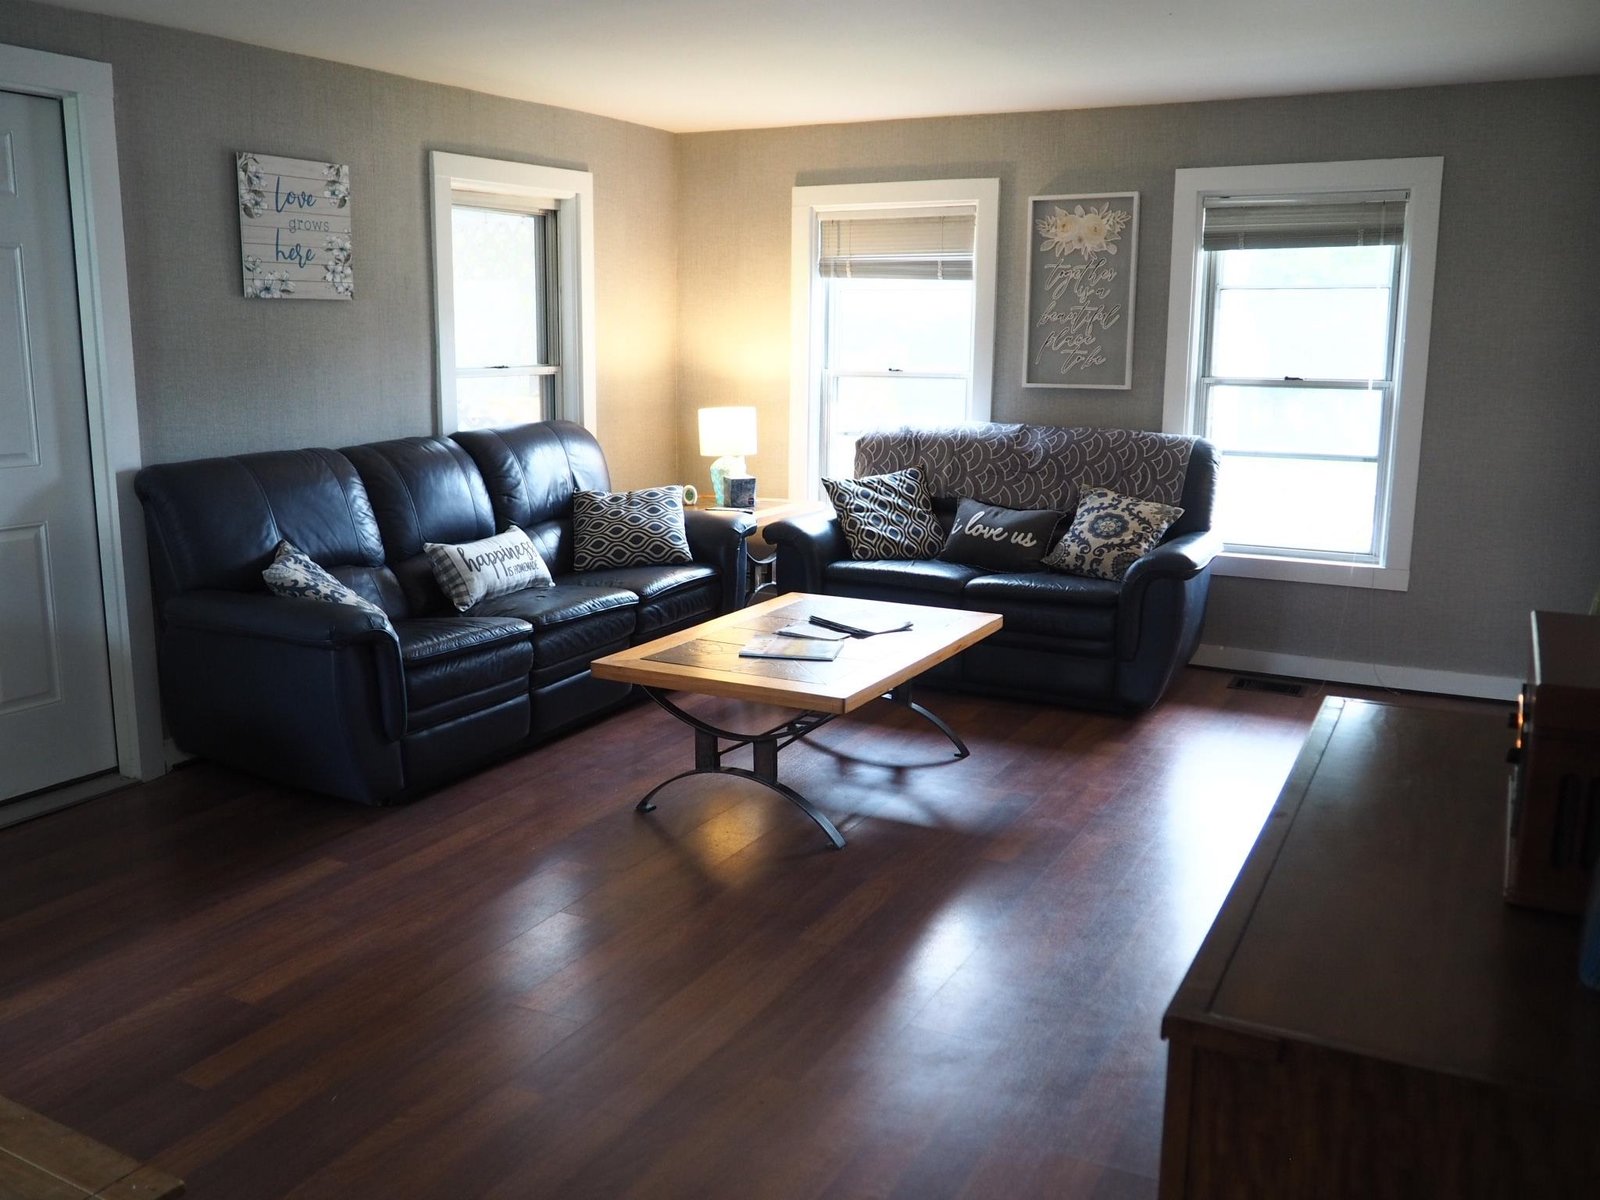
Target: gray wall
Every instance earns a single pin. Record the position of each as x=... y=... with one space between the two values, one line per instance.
x=221 y=374
x=1509 y=506
x=1508 y=510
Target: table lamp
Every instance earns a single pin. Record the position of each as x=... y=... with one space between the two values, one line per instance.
x=730 y=434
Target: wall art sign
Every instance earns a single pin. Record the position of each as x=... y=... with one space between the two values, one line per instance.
x=1082 y=262
x=294 y=228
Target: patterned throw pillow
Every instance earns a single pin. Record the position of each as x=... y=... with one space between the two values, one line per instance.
x=1001 y=539
x=293 y=573
x=886 y=516
x=642 y=528
x=474 y=571
x=1109 y=533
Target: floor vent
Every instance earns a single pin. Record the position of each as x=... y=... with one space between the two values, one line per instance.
x=1278 y=687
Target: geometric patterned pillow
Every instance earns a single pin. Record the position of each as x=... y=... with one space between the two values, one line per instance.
x=886 y=516
x=1109 y=533
x=492 y=566
x=292 y=573
x=643 y=528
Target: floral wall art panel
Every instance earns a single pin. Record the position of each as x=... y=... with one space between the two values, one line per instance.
x=294 y=228
x=1082 y=260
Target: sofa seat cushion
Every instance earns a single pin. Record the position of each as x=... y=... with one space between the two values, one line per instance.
x=919 y=574
x=544 y=608
x=647 y=583
x=571 y=622
x=1070 y=607
x=459 y=664
x=669 y=597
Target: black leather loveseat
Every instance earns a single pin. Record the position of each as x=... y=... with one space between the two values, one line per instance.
x=334 y=698
x=1067 y=639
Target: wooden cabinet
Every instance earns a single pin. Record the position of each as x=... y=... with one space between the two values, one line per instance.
x=1367 y=1017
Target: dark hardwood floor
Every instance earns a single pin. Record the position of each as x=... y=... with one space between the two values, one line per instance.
x=518 y=988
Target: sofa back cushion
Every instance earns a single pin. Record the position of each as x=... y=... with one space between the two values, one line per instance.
x=1040 y=466
x=423 y=489
x=216 y=522
x=531 y=473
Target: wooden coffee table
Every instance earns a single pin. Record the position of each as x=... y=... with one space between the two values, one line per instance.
x=706 y=660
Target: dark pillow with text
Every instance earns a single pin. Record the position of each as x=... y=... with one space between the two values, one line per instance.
x=1000 y=539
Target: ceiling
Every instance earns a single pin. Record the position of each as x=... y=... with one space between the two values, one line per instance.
x=691 y=65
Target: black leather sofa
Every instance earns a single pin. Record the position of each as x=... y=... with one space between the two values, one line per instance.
x=1086 y=642
x=331 y=698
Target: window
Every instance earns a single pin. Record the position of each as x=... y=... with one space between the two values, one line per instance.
x=514 y=293
x=1300 y=323
x=505 y=344
x=894 y=311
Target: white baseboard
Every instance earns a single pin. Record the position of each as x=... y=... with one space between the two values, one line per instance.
x=1376 y=675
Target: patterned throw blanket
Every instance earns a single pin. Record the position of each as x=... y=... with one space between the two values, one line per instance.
x=1031 y=466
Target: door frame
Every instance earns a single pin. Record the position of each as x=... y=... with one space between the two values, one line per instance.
x=84 y=88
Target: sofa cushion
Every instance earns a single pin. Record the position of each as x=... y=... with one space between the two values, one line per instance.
x=886 y=516
x=1070 y=607
x=999 y=539
x=570 y=620
x=1033 y=466
x=475 y=571
x=423 y=490
x=456 y=664
x=669 y=597
x=1109 y=533
x=922 y=575
x=642 y=528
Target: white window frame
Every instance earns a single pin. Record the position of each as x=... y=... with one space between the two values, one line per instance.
x=573 y=195
x=810 y=205
x=1421 y=179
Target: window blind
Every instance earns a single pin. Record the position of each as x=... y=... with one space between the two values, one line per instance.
x=917 y=247
x=1287 y=223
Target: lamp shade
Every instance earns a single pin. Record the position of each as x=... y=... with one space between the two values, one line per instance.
x=728 y=431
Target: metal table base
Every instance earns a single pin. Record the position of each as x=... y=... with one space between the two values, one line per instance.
x=709 y=749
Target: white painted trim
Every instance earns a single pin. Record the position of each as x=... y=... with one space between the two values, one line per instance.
x=573 y=194
x=1422 y=178
x=15 y=812
x=805 y=344
x=1311 y=570
x=1377 y=675
x=86 y=92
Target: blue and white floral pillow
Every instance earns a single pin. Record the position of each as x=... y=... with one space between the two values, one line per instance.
x=293 y=573
x=1110 y=532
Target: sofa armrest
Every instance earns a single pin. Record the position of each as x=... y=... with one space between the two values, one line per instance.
x=1182 y=558
x=718 y=540
x=1180 y=562
x=293 y=619
x=296 y=689
x=806 y=545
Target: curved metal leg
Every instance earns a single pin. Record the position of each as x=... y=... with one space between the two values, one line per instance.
x=835 y=838
x=708 y=752
x=902 y=695
x=938 y=723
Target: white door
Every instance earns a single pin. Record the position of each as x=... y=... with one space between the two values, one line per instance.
x=55 y=682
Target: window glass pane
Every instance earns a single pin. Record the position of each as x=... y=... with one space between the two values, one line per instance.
x=907 y=324
x=1295 y=420
x=860 y=403
x=1307 y=267
x=1319 y=313
x=507 y=398
x=1297 y=504
x=1332 y=333
x=498 y=258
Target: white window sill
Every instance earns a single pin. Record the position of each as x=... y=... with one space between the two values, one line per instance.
x=1311 y=570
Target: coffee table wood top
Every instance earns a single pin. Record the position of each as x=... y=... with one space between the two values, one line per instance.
x=865 y=669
